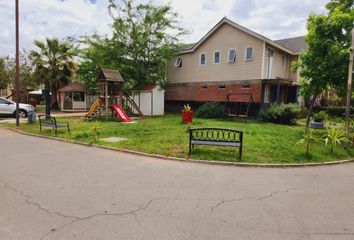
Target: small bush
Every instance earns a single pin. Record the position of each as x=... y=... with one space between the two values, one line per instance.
x=210 y=110
x=320 y=117
x=338 y=111
x=280 y=113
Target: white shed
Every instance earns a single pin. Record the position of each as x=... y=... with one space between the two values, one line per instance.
x=150 y=98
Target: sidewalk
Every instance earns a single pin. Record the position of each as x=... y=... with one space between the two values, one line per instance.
x=54 y=114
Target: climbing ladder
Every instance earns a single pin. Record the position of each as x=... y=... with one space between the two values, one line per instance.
x=95 y=111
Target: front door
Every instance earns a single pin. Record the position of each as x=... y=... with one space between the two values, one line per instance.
x=68 y=101
x=270 y=63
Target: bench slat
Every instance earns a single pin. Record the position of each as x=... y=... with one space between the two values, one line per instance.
x=216 y=143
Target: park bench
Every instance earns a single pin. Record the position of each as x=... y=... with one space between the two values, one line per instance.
x=216 y=137
x=51 y=122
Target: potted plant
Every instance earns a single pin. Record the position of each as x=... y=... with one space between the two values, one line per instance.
x=187 y=114
x=318 y=119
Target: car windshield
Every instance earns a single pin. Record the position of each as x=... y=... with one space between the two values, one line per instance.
x=8 y=100
x=4 y=101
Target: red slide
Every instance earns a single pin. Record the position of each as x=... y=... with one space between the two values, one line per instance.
x=120 y=113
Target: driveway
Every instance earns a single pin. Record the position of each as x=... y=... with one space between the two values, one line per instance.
x=56 y=190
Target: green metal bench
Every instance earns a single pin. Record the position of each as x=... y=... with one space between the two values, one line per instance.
x=51 y=122
x=216 y=137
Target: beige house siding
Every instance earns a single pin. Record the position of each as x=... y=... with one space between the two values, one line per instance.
x=223 y=40
x=278 y=70
x=5 y=92
x=294 y=76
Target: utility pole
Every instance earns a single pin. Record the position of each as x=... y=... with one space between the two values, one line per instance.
x=349 y=88
x=17 y=65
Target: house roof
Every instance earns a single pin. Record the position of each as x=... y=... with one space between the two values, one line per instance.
x=189 y=48
x=73 y=87
x=146 y=87
x=295 y=44
x=110 y=75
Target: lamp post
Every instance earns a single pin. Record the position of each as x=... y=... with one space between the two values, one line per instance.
x=17 y=65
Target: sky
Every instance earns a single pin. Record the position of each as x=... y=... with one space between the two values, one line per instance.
x=275 y=19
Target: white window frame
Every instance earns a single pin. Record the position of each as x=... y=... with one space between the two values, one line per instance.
x=200 y=59
x=228 y=56
x=180 y=63
x=251 y=59
x=219 y=57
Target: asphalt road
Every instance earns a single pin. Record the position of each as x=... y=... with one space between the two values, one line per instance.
x=56 y=190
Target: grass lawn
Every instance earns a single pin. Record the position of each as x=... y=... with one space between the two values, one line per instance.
x=263 y=142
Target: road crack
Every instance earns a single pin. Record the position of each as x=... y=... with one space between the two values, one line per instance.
x=132 y=212
x=222 y=202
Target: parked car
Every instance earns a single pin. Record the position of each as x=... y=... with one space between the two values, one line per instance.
x=8 y=108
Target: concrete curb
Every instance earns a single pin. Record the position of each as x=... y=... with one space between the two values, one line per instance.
x=156 y=156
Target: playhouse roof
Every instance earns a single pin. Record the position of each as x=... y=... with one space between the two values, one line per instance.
x=110 y=75
x=146 y=87
x=73 y=87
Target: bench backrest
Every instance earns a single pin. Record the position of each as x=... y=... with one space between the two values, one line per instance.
x=46 y=119
x=216 y=135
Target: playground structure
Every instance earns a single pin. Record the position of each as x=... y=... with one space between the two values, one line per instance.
x=111 y=98
x=238 y=104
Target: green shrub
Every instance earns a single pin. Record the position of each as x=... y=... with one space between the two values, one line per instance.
x=335 y=137
x=280 y=113
x=338 y=111
x=210 y=110
x=320 y=117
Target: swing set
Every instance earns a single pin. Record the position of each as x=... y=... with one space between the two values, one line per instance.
x=238 y=104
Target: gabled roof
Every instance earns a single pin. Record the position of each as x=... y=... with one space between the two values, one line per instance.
x=146 y=86
x=239 y=27
x=73 y=87
x=295 y=44
x=110 y=75
x=187 y=46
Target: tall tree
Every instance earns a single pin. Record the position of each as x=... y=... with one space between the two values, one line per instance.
x=54 y=63
x=4 y=76
x=144 y=39
x=8 y=68
x=325 y=62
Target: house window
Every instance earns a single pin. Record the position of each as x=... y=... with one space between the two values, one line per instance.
x=221 y=86
x=216 y=57
x=232 y=56
x=178 y=62
x=249 y=54
x=79 y=96
x=283 y=62
x=202 y=59
x=246 y=86
x=204 y=87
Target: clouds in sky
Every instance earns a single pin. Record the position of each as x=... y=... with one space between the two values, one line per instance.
x=61 y=18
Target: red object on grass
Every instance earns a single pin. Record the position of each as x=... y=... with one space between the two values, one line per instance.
x=121 y=114
x=187 y=116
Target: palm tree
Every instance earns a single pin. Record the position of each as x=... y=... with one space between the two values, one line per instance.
x=54 y=63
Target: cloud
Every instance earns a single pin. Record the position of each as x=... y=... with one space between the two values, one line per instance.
x=61 y=18
x=51 y=18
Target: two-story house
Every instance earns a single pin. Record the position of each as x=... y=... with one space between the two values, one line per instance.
x=231 y=60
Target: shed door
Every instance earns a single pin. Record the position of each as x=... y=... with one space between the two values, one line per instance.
x=68 y=101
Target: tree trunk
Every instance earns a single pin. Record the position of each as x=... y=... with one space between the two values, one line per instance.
x=308 y=118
